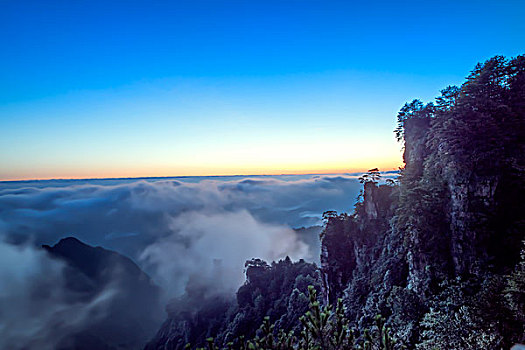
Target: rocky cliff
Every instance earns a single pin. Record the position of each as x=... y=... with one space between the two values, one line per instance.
x=436 y=252
x=277 y=291
x=452 y=227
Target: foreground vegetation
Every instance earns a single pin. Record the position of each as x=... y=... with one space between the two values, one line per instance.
x=323 y=328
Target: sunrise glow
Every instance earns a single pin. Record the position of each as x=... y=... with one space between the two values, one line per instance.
x=273 y=89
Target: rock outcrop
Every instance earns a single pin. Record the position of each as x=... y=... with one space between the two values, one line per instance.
x=455 y=215
x=276 y=291
x=438 y=253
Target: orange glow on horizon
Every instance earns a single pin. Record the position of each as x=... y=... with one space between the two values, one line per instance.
x=180 y=171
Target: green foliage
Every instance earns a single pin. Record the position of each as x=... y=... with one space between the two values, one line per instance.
x=410 y=111
x=463 y=180
x=277 y=291
x=514 y=294
x=457 y=319
x=323 y=328
x=480 y=124
x=459 y=329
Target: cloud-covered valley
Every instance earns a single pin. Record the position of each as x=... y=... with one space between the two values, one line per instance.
x=127 y=216
x=178 y=230
x=179 y=226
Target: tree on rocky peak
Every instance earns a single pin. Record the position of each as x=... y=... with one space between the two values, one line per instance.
x=413 y=110
x=372 y=175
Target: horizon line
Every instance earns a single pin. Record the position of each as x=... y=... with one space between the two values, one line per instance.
x=184 y=176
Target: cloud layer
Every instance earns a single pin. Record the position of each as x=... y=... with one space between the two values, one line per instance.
x=213 y=248
x=187 y=233
x=175 y=228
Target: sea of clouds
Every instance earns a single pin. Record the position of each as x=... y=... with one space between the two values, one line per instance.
x=175 y=229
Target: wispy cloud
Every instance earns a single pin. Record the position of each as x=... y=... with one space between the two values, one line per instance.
x=37 y=310
x=174 y=228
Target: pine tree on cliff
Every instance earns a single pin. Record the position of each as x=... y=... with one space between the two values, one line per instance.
x=372 y=175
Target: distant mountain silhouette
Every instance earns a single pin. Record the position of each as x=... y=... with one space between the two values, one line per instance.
x=132 y=309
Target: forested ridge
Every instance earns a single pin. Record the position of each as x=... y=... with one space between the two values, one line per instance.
x=433 y=260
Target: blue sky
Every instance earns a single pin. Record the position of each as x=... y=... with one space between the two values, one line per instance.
x=152 y=88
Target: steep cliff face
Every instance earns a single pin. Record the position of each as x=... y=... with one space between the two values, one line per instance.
x=338 y=258
x=422 y=208
x=471 y=201
x=354 y=250
x=455 y=222
x=437 y=253
x=394 y=253
x=416 y=150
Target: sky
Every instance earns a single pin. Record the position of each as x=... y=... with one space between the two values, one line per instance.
x=93 y=89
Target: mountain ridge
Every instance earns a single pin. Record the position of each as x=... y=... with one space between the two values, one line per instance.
x=438 y=251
